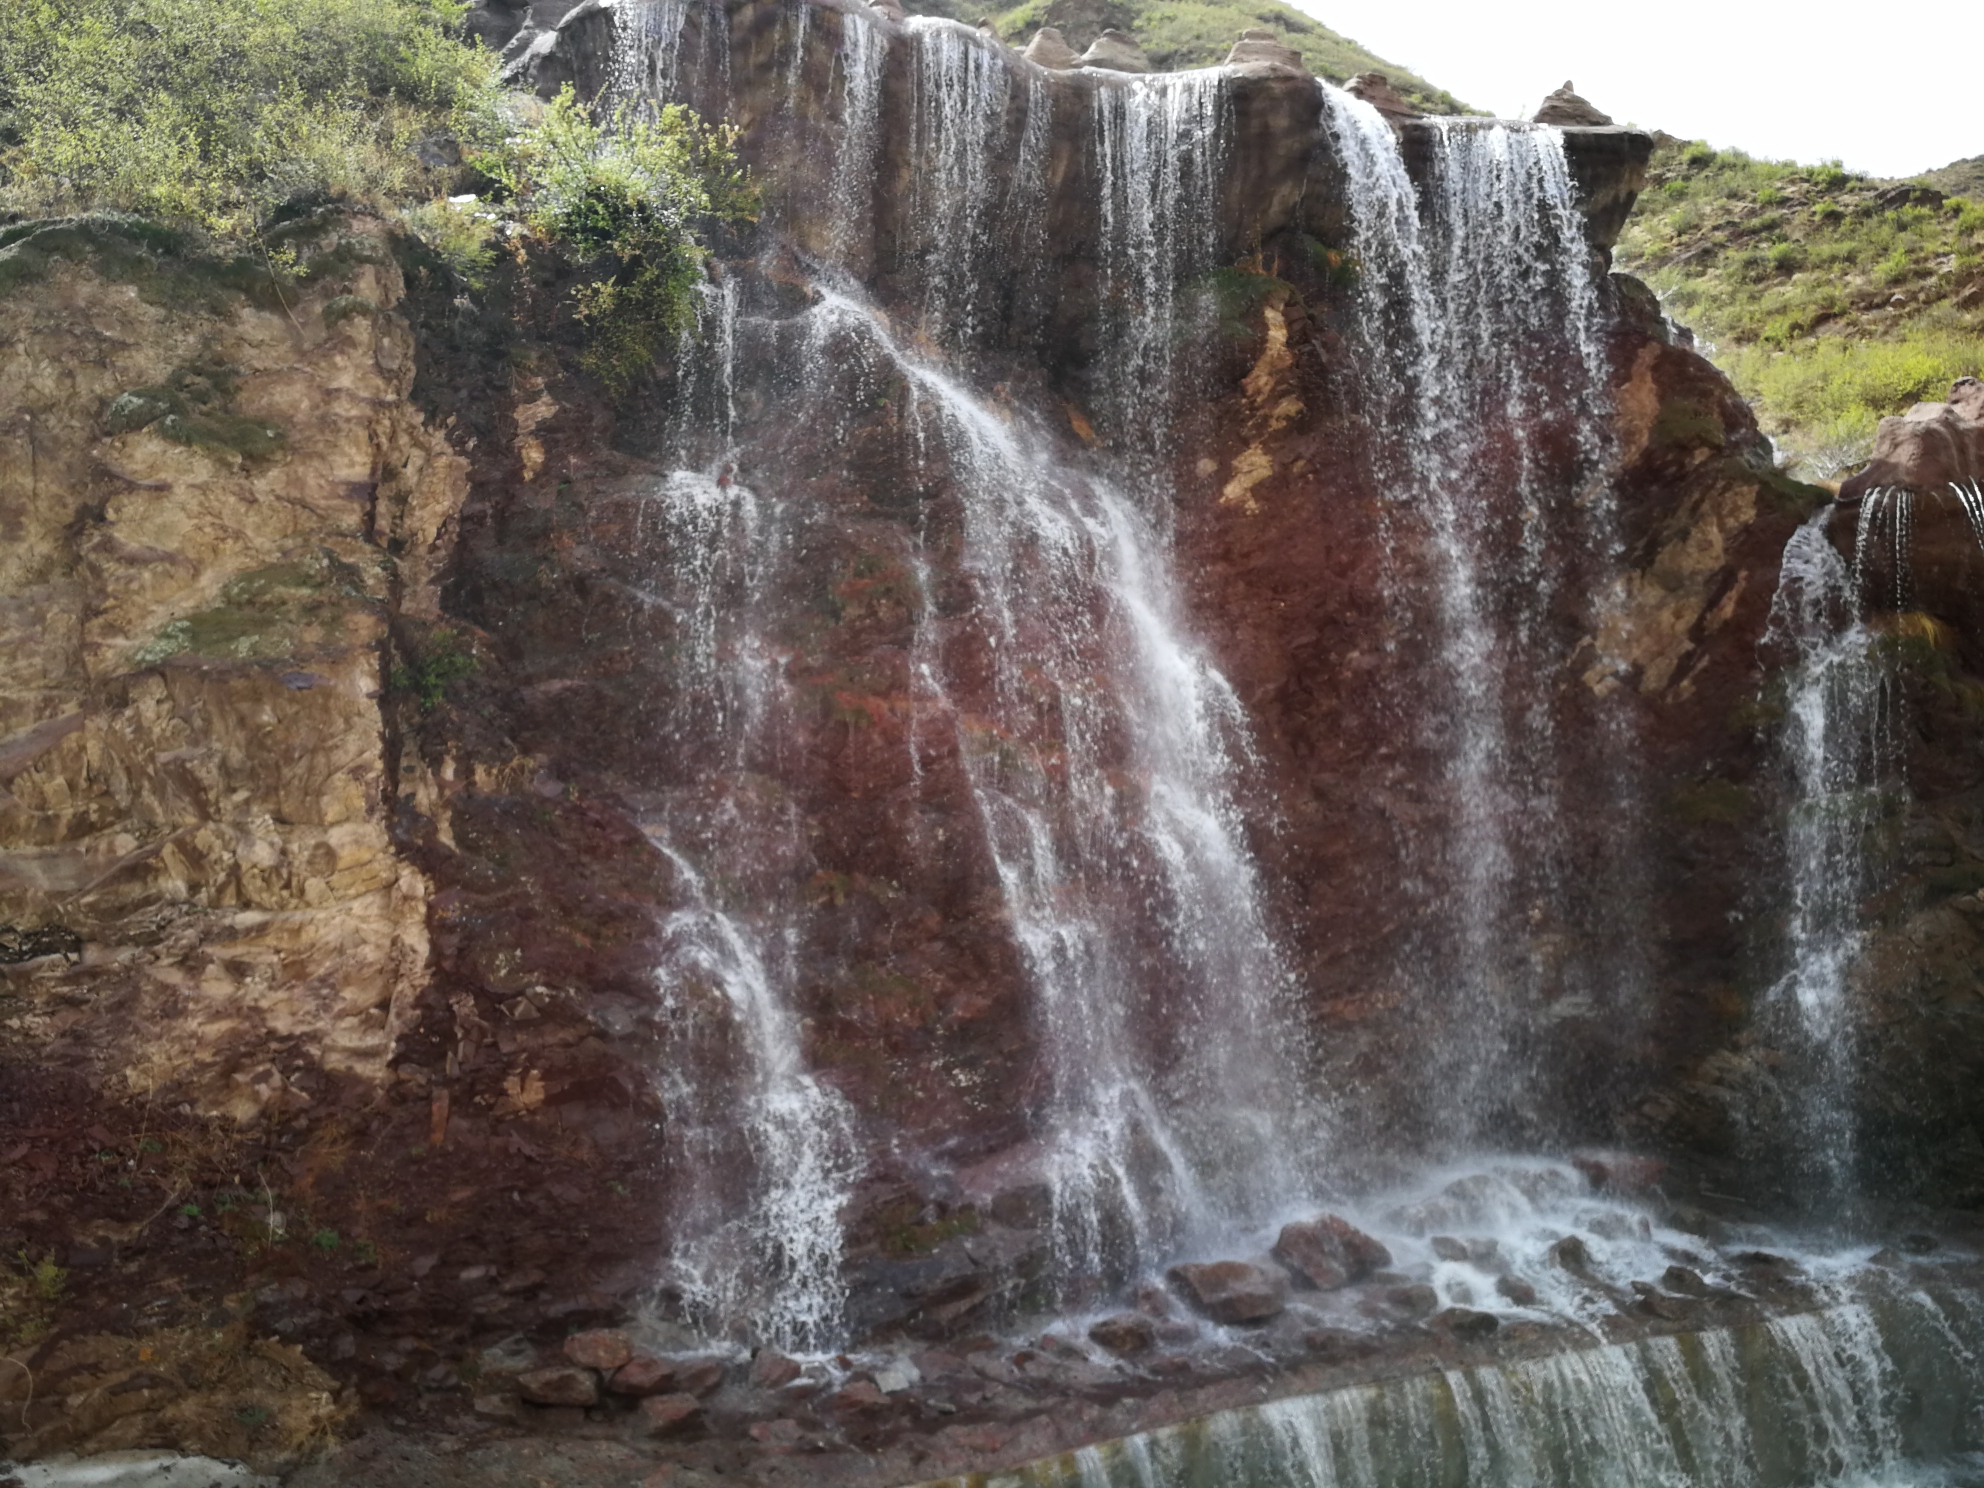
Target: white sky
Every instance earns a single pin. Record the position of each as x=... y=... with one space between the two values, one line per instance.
x=1889 y=89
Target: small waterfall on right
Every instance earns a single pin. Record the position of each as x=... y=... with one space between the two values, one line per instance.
x=1838 y=750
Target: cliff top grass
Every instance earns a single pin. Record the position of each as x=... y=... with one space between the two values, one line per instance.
x=1831 y=299
x=1178 y=34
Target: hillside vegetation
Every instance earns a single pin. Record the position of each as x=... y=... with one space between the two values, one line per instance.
x=1830 y=298
x=220 y=118
x=1178 y=34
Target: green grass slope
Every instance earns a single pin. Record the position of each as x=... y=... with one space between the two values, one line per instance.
x=1195 y=33
x=1831 y=299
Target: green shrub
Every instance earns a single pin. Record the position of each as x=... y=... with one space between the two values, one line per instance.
x=628 y=200
x=221 y=112
x=1787 y=258
x=1827 y=175
x=1699 y=155
x=463 y=236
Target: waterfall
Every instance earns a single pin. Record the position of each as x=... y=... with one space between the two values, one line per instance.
x=760 y=1153
x=1103 y=757
x=1827 y=1397
x=1478 y=332
x=1160 y=156
x=1835 y=749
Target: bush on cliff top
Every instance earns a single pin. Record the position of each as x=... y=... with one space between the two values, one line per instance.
x=219 y=112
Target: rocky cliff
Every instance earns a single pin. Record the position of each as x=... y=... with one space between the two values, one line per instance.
x=372 y=687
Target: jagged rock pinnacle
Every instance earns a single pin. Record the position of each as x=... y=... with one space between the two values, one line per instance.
x=1566 y=107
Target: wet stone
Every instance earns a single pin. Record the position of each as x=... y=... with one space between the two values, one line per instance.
x=1465 y=1322
x=1516 y=1290
x=643 y=1375
x=669 y=1415
x=1126 y=1335
x=771 y=1370
x=1571 y=1254
x=599 y=1348
x=1329 y=1252
x=1232 y=1291
x=1447 y=1248
x=1415 y=1301
x=562 y=1384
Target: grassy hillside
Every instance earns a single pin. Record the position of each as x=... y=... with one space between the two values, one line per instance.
x=1195 y=33
x=1830 y=298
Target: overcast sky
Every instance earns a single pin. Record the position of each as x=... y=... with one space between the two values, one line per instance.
x=1888 y=89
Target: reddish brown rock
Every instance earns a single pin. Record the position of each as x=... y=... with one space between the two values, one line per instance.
x=670 y=1415
x=1516 y=1290
x=1376 y=89
x=1565 y=107
x=1329 y=1252
x=771 y=1370
x=1465 y=1322
x=1126 y=1335
x=1929 y=446
x=1232 y=1291
x=643 y=1375
x=1620 y=1172
x=561 y=1384
x=604 y=1349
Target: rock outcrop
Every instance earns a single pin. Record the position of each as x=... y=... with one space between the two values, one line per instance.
x=215 y=523
x=1115 y=51
x=1047 y=49
x=1265 y=49
x=1565 y=107
x=1929 y=448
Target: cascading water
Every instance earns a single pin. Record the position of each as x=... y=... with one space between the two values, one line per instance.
x=1836 y=750
x=1479 y=333
x=1160 y=156
x=761 y=1152
x=1865 y=1392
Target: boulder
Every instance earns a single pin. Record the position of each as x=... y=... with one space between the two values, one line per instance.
x=1329 y=1252
x=1620 y=1172
x=1571 y=1255
x=604 y=1349
x=1417 y=1300
x=1232 y=1291
x=1566 y=107
x=1257 y=48
x=1465 y=1322
x=561 y=1384
x=771 y=1370
x=1516 y=1290
x=1447 y=1248
x=1927 y=448
x=1117 y=51
x=1048 y=49
x=1376 y=89
x=1125 y=1335
x=668 y=1415
x=643 y=1375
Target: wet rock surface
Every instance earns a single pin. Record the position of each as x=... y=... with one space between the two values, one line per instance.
x=454 y=1121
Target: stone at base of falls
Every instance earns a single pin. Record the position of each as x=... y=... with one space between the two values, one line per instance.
x=1570 y=1254
x=1566 y=107
x=561 y=1384
x=1465 y=1322
x=1928 y=447
x=1049 y=49
x=1415 y=1301
x=1125 y=1335
x=600 y=1348
x=1232 y=1291
x=1656 y=1303
x=1258 y=48
x=665 y=1415
x=1329 y=1252
x=643 y=1375
x=1620 y=1172
x=1376 y=89
x=1116 y=51
x=771 y=1370
x=1516 y=1290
